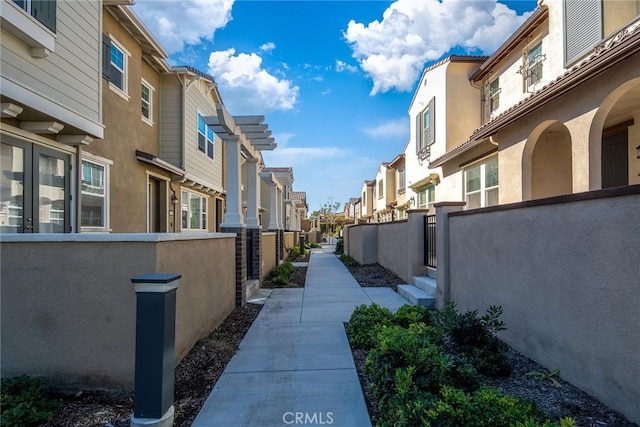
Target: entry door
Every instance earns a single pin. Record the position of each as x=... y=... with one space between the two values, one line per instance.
x=34 y=189
x=615 y=160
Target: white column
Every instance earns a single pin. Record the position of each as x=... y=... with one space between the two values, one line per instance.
x=253 y=193
x=273 y=208
x=233 y=216
x=280 y=210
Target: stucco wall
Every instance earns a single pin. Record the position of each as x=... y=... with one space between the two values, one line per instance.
x=268 y=253
x=568 y=278
x=290 y=240
x=68 y=305
x=363 y=243
x=392 y=247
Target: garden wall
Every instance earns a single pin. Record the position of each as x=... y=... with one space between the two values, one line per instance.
x=567 y=274
x=68 y=308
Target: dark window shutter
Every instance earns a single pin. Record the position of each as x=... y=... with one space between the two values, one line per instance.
x=418 y=131
x=45 y=12
x=431 y=138
x=106 y=57
x=582 y=27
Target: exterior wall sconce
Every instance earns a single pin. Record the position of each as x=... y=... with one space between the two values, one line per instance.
x=412 y=200
x=638 y=151
x=174 y=199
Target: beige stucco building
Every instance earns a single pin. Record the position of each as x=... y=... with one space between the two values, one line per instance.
x=561 y=110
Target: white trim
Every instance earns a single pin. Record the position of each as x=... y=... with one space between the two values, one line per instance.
x=34 y=99
x=106 y=165
x=37 y=139
x=124 y=91
x=26 y=28
x=147 y=120
x=208 y=219
x=170 y=207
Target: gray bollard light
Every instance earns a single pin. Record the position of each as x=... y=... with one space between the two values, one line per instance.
x=155 y=349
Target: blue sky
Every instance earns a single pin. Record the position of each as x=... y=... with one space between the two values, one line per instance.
x=333 y=79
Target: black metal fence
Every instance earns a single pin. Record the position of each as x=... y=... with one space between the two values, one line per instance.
x=430 y=259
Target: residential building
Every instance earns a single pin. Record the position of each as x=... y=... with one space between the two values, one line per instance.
x=120 y=193
x=367 y=201
x=51 y=99
x=357 y=210
x=385 y=202
x=299 y=199
x=562 y=107
x=444 y=110
x=400 y=190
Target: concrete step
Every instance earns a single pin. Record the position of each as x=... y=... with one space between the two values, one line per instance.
x=252 y=286
x=425 y=283
x=416 y=296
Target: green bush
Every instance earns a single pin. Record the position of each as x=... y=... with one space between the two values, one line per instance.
x=282 y=273
x=475 y=338
x=24 y=402
x=365 y=322
x=486 y=407
x=409 y=314
x=315 y=245
x=414 y=349
x=348 y=261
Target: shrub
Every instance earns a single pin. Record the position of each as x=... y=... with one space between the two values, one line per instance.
x=486 y=407
x=414 y=349
x=348 y=261
x=25 y=402
x=476 y=339
x=410 y=314
x=315 y=245
x=294 y=252
x=365 y=322
x=282 y=273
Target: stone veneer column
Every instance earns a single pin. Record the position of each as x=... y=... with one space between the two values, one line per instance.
x=233 y=220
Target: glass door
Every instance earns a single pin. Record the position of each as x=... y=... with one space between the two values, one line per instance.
x=34 y=189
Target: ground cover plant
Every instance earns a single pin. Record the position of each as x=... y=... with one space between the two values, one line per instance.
x=426 y=367
x=25 y=402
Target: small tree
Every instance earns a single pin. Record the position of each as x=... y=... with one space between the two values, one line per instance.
x=328 y=212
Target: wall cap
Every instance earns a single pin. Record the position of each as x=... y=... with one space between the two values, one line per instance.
x=444 y=204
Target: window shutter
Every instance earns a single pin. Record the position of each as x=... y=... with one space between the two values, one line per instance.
x=106 y=57
x=431 y=138
x=45 y=12
x=418 y=132
x=582 y=27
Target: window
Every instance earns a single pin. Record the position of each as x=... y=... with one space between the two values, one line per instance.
x=115 y=59
x=534 y=65
x=194 y=211
x=401 y=181
x=380 y=189
x=93 y=205
x=364 y=197
x=146 y=97
x=206 y=137
x=493 y=95
x=481 y=184
x=425 y=127
x=426 y=196
x=44 y=11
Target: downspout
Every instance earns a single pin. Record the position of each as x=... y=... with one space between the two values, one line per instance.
x=482 y=102
x=77 y=222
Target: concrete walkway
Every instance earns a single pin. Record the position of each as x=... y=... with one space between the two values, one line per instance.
x=294 y=365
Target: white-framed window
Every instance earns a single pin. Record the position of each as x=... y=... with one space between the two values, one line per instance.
x=146 y=99
x=194 y=211
x=426 y=196
x=33 y=22
x=118 y=68
x=481 y=184
x=94 y=201
x=380 y=188
x=206 y=138
x=401 y=180
x=534 y=65
x=493 y=95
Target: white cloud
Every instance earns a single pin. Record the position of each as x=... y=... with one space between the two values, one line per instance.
x=393 y=51
x=391 y=129
x=246 y=87
x=343 y=66
x=268 y=47
x=178 y=23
